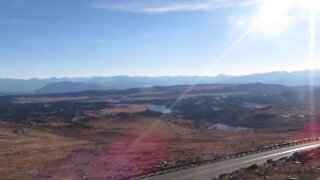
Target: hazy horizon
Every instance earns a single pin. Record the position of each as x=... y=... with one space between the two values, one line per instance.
x=93 y=76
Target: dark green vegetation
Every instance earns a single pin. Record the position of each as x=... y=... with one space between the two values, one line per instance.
x=248 y=105
x=72 y=135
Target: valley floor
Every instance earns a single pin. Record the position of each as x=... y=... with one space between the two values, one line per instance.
x=114 y=150
x=114 y=134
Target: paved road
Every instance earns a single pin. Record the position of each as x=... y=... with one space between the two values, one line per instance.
x=214 y=170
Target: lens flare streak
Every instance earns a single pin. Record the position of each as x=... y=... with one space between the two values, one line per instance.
x=312 y=62
x=216 y=62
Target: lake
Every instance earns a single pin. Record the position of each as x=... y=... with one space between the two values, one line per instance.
x=158 y=108
x=221 y=126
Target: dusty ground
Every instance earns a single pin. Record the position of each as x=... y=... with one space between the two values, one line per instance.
x=25 y=151
x=110 y=150
x=110 y=134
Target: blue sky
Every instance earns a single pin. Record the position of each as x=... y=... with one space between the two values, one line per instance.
x=80 y=38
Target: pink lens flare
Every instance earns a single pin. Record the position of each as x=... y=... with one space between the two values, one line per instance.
x=309 y=130
x=124 y=158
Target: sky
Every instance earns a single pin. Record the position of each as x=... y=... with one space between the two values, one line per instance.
x=81 y=38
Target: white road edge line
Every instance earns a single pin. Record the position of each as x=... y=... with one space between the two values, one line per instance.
x=292 y=150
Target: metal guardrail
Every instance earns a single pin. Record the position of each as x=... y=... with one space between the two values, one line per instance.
x=170 y=169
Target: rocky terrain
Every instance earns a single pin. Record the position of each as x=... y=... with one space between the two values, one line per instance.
x=113 y=134
x=300 y=166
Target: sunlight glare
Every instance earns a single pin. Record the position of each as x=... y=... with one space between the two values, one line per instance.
x=273 y=15
x=313 y=5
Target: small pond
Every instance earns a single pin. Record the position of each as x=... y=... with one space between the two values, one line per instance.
x=229 y=128
x=158 y=108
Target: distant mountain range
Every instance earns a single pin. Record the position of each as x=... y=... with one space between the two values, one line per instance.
x=61 y=85
x=65 y=86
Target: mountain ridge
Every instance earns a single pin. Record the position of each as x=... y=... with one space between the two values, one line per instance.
x=57 y=85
